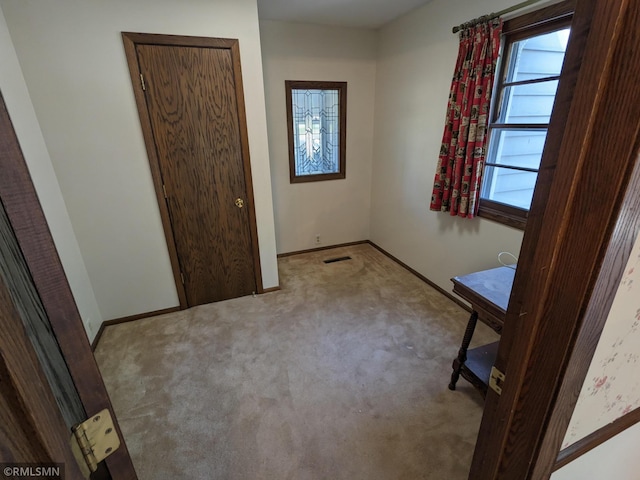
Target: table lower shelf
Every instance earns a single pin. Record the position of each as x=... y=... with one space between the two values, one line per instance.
x=477 y=368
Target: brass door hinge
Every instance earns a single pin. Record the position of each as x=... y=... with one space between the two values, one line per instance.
x=496 y=380
x=182 y=277
x=94 y=440
x=144 y=86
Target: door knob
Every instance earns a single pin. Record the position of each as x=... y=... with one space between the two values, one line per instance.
x=239 y=203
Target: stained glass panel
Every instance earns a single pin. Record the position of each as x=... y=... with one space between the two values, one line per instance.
x=316 y=131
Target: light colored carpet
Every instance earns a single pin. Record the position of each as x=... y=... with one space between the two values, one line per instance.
x=342 y=374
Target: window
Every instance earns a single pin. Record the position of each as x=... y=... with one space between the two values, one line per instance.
x=316 y=121
x=524 y=95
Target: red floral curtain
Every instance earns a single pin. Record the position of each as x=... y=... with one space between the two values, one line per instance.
x=456 y=188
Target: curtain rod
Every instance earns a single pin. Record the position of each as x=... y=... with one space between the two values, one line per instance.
x=475 y=21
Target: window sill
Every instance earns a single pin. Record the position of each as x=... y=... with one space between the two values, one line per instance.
x=502 y=213
x=317 y=178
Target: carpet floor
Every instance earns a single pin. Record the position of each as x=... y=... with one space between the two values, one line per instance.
x=342 y=374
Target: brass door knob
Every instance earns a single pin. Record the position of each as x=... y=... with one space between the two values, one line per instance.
x=239 y=203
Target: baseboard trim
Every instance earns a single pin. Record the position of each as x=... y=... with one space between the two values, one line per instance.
x=130 y=318
x=96 y=339
x=140 y=316
x=318 y=249
x=421 y=277
x=596 y=438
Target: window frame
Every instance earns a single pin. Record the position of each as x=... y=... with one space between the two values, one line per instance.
x=532 y=24
x=291 y=85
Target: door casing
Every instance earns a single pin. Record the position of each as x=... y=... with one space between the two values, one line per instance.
x=22 y=206
x=584 y=219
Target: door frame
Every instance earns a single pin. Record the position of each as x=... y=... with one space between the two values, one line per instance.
x=23 y=209
x=130 y=40
x=583 y=222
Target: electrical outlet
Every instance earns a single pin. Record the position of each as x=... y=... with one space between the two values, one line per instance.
x=317 y=239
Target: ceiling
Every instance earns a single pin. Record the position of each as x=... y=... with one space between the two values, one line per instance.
x=346 y=13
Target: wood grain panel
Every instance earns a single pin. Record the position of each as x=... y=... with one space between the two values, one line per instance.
x=193 y=109
x=31 y=426
x=15 y=274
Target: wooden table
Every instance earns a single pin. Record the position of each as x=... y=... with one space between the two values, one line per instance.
x=488 y=293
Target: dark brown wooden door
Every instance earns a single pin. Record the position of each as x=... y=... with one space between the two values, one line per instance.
x=191 y=97
x=49 y=380
x=583 y=222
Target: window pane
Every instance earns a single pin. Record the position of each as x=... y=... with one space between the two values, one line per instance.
x=316 y=116
x=538 y=57
x=529 y=103
x=517 y=148
x=513 y=187
x=523 y=106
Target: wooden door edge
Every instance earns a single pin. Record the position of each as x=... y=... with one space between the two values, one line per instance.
x=130 y=40
x=622 y=233
x=623 y=238
x=246 y=161
x=568 y=250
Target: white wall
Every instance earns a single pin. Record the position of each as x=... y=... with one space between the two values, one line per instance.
x=417 y=54
x=337 y=210
x=616 y=459
x=73 y=61
x=24 y=120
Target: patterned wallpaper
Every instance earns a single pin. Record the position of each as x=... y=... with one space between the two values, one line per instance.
x=612 y=386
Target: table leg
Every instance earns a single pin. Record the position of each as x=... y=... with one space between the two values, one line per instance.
x=462 y=353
